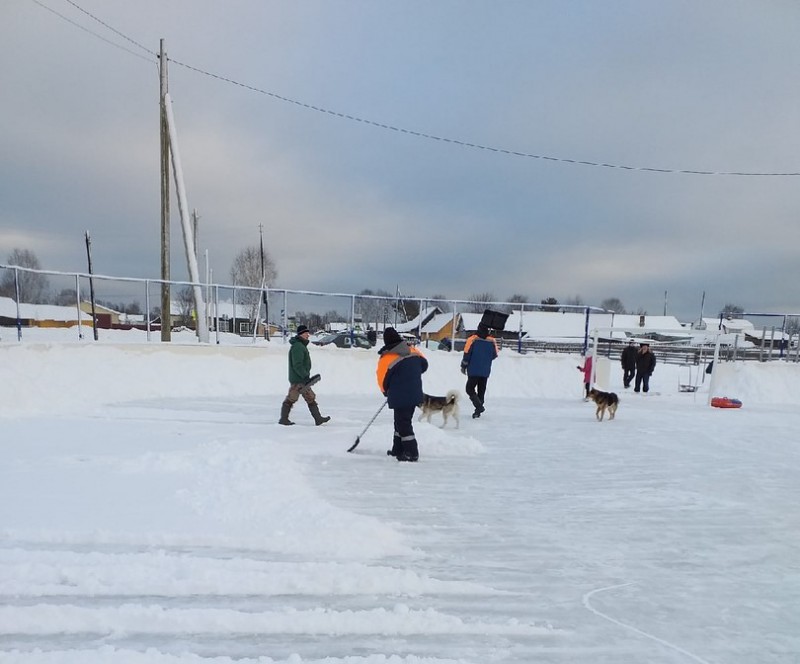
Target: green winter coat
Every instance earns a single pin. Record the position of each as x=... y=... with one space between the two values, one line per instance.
x=299 y=361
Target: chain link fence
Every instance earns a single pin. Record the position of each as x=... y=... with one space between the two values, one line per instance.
x=88 y=304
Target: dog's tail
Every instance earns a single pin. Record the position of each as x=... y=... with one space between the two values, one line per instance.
x=452 y=396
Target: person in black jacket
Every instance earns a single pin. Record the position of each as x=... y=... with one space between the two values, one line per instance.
x=645 y=365
x=399 y=374
x=628 y=361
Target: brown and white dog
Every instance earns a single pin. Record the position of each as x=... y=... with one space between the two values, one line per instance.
x=606 y=401
x=446 y=405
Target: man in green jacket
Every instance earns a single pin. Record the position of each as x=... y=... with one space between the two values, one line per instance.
x=299 y=373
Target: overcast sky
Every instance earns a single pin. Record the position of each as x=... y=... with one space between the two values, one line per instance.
x=348 y=205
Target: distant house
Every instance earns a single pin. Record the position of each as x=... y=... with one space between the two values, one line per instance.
x=417 y=325
x=440 y=326
x=41 y=315
x=105 y=317
x=561 y=327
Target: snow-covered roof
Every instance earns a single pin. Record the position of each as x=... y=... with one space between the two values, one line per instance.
x=8 y=309
x=729 y=325
x=413 y=324
x=436 y=323
x=572 y=325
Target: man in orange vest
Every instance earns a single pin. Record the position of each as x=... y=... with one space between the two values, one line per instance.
x=479 y=353
x=399 y=373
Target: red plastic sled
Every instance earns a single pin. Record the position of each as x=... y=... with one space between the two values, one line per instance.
x=725 y=402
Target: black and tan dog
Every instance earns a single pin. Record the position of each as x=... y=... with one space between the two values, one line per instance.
x=606 y=401
x=446 y=405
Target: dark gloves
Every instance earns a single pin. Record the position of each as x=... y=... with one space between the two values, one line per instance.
x=463 y=370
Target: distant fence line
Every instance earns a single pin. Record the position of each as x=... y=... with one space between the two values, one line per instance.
x=386 y=313
x=384 y=310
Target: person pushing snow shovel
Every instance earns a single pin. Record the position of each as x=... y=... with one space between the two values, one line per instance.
x=399 y=373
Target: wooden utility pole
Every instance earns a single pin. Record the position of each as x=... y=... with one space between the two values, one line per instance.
x=166 y=322
x=91 y=285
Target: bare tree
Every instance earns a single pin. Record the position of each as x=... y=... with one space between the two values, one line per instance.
x=185 y=301
x=247 y=271
x=613 y=304
x=313 y=321
x=479 y=301
x=373 y=310
x=440 y=301
x=32 y=287
x=732 y=311
x=549 y=304
x=67 y=297
x=576 y=301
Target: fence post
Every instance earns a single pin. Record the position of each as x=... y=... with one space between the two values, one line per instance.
x=78 y=305
x=16 y=296
x=147 y=307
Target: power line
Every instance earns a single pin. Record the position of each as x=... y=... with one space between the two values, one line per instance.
x=114 y=30
x=466 y=144
x=94 y=34
x=411 y=132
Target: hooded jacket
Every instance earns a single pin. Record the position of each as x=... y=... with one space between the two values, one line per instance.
x=399 y=374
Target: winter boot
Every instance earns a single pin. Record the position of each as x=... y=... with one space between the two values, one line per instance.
x=409 y=450
x=478 y=406
x=396 y=447
x=318 y=419
x=286 y=407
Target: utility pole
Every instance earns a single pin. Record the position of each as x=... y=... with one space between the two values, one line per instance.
x=166 y=321
x=91 y=284
x=195 y=224
x=264 y=284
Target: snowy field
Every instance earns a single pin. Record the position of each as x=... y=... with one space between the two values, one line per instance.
x=152 y=511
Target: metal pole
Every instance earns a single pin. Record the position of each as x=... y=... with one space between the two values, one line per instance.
x=714 y=366
x=16 y=296
x=166 y=306
x=147 y=307
x=216 y=311
x=78 y=304
x=285 y=316
x=586 y=332
x=454 y=327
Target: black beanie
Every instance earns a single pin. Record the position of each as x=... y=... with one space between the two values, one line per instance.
x=391 y=337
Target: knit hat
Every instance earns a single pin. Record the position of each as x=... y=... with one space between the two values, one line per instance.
x=391 y=337
x=301 y=329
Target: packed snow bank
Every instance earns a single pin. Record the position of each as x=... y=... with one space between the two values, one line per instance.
x=77 y=377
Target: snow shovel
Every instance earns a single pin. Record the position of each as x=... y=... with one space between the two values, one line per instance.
x=374 y=417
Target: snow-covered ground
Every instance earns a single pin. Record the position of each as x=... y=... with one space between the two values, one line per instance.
x=153 y=511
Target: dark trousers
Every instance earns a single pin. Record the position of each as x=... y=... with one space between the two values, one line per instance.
x=404 y=442
x=642 y=380
x=476 y=387
x=627 y=376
